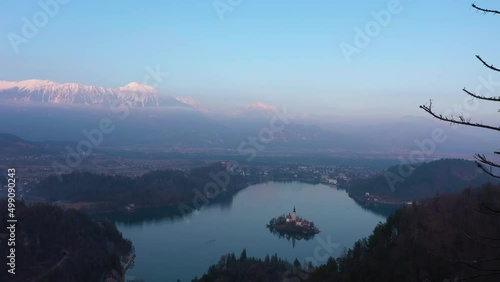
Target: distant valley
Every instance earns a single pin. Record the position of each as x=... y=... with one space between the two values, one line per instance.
x=42 y=110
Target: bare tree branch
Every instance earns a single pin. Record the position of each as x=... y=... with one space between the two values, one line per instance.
x=486 y=64
x=485 y=10
x=461 y=119
x=481 y=242
x=470 y=263
x=489 y=238
x=487 y=171
x=491 y=210
x=484 y=267
x=481 y=158
x=480 y=275
x=467 y=261
x=494 y=99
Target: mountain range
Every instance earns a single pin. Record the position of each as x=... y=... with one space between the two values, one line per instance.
x=37 y=92
x=49 y=92
x=43 y=110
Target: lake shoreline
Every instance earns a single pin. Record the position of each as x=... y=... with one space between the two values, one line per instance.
x=102 y=208
x=238 y=222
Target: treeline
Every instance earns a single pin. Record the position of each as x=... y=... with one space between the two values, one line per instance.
x=249 y=269
x=56 y=245
x=422 y=180
x=153 y=189
x=445 y=238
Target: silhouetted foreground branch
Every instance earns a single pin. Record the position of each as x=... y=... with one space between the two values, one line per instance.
x=482 y=240
x=485 y=10
x=472 y=264
x=485 y=267
x=480 y=275
x=486 y=64
x=461 y=119
x=490 y=210
x=494 y=99
x=481 y=160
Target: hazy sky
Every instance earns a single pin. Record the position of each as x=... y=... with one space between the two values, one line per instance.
x=278 y=52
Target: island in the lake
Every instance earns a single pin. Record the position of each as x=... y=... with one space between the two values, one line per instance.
x=292 y=224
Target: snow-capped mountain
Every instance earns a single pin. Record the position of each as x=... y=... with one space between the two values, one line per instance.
x=193 y=103
x=257 y=109
x=50 y=92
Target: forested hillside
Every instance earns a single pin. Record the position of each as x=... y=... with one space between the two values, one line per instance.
x=423 y=180
x=56 y=245
x=245 y=269
x=446 y=237
x=153 y=189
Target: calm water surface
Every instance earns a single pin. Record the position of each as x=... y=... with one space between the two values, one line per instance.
x=170 y=247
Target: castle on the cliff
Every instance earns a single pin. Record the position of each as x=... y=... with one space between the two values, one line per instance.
x=298 y=221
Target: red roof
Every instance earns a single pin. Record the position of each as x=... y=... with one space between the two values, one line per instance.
x=299 y=220
x=288 y=216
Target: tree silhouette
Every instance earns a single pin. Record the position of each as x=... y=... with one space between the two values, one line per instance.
x=243 y=255
x=296 y=263
x=482 y=161
x=490 y=206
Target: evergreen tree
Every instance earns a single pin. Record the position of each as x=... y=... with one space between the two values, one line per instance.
x=296 y=263
x=243 y=256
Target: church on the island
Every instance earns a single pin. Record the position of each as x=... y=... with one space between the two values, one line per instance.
x=298 y=221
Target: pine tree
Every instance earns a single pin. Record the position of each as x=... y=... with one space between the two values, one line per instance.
x=243 y=256
x=296 y=263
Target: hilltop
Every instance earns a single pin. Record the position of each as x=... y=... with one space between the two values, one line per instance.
x=10 y=143
x=425 y=180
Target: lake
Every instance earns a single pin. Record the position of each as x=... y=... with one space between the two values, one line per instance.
x=170 y=247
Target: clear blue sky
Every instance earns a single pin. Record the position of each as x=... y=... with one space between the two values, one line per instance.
x=278 y=52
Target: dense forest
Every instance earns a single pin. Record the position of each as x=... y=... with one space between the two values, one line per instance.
x=423 y=180
x=445 y=238
x=57 y=245
x=250 y=269
x=153 y=189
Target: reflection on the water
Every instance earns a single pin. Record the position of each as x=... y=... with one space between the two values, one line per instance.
x=383 y=210
x=223 y=201
x=291 y=236
x=233 y=222
x=150 y=215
